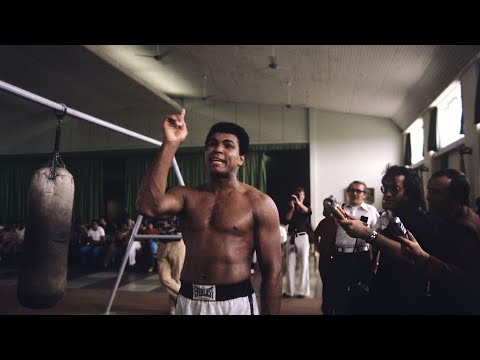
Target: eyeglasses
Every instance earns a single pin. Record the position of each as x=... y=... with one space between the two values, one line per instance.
x=356 y=191
x=394 y=189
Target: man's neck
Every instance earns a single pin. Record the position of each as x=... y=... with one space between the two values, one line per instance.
x=218 y=183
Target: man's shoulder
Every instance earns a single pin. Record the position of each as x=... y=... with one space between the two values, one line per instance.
x=254 y=194
x=258 y=199
x=371 y=208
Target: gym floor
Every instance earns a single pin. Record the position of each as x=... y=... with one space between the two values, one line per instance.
x=88 y=293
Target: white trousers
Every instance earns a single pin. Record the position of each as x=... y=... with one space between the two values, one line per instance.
x=303 y=251
x=136 y=246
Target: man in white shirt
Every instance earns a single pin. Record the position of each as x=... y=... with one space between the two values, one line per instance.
x=353 y=257
x=94 y=246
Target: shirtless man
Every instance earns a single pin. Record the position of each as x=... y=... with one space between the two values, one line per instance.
x=223 y=222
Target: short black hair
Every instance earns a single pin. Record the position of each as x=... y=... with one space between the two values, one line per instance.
x=231 y=128
x=411 y=183
x=298 y=190
x=357 y=182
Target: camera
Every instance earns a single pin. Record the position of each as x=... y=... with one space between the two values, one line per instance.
x=399 y=227
x=338 y=212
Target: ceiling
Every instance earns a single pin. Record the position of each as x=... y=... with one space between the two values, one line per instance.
x=392 y=81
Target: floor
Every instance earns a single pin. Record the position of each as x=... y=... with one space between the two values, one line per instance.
x=138 y=293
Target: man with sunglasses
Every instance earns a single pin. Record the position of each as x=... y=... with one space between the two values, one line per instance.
x=396 y=288
x=352 y=261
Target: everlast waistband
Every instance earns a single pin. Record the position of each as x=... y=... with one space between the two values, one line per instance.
x=215 y=292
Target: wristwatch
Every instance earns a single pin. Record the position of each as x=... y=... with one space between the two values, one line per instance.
x=371 y=239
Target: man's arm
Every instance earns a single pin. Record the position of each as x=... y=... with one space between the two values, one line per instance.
x=289 y=214
x=267 y=232
x=152 y=201
x=357 y=229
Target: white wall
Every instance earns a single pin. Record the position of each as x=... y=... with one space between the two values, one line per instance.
x=347 y=147
x=265 y=124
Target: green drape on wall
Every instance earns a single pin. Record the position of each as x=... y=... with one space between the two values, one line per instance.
x=135 y=169
x=88 y=202
x=254 y=170
x=15 y=178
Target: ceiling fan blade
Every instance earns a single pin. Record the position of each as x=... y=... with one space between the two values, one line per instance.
x=205 y=98
x=159 y=56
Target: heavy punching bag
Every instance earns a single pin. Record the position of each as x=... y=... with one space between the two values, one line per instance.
x=43 y=269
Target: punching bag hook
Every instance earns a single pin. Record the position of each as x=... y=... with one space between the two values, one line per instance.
x=56 y=160
x=61 y=115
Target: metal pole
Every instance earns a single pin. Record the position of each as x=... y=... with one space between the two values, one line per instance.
x=124 y=263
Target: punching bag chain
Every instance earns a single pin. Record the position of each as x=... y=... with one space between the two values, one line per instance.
x=56 y=159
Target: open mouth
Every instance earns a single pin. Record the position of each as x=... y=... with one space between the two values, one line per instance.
x=215 y=160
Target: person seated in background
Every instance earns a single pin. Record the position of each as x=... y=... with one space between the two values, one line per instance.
x=78 y=238
x=152 y=244
x=91 y=252
x=21 y=235
x=117 y=249
x=9 y=242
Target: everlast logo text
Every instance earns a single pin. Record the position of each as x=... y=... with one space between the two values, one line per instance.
x=204 y=292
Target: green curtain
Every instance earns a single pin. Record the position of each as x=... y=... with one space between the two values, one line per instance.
x=278 y=147
x=88 y=202
x=192 y=167
x=135 y=169
x=15 y=177
x=254 y=170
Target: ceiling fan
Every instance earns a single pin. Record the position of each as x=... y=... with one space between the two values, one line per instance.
x=272 y=62
x=289 y=103
x=158 y=55
x=205 y=97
